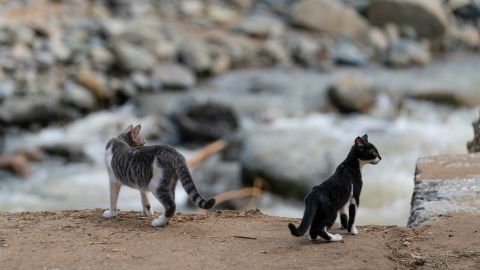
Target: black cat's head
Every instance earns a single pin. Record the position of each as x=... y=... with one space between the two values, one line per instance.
x=367 y=152
x=131 y=136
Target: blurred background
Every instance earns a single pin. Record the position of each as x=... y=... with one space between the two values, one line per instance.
x=285 y=85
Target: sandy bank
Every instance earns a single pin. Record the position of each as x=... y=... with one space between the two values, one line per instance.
x=233 y=240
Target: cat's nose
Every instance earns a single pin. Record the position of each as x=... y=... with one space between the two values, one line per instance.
x=379 y=157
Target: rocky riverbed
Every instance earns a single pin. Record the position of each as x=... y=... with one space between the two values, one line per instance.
x=288 y=89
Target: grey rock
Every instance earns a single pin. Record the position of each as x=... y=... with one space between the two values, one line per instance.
x=32 y=110
x=101 y=55
x=302 y=48
x=174 y=76
x=158 y=129
x=290 y=161
x=474 y=145
x=196 y=55
x=217 y=175
x=328 y=16
x=220 y=13
x=274 y=52
x=66 y=152
x=352 y=93
x=133 y=57
x=23 y=34
x=44 y=59
x=7 y=89
x=78 y=96
x=59 y=50
x=444 y=184
x=205 y=121
x=141 y=81
x=347 y=53
x=260 y=26
x=405 y=52
x=427 y=17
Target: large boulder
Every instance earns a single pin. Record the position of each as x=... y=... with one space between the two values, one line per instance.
x=33 y=110
x=474 y=145
x=290 y=161
x=427 y=17
x=352 y=93
x=328 y=16
x=205 y=121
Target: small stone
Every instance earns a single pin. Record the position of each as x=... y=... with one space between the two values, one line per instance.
x=192 y=7
x=165 y=50
x=93 y=82
x=302 y=48
x=328 y=16
x=24 y=34
x=21 y=52
x=347 y=53
x=100 y=55
x=406 y=52
x=174 y=76
x=260 y=26
x=378 y=39
x=78 y=96
x=221 y=14
x=274 y=51
x=59 y=50
x=196 y=55
x=132 y=57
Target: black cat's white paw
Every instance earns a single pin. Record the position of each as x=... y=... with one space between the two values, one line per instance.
x=335 y=238
x=353 y=231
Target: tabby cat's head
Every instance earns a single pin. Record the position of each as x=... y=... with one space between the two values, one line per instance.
x=367 y=152
x=131 y=136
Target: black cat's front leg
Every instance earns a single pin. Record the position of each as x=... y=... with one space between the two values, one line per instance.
x=352 y=212
x=343 y=217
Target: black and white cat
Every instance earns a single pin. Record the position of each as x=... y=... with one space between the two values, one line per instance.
x=155 y=168
x=344 y=186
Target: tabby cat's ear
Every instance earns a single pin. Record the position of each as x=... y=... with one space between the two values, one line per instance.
x=128 y=129
x=365 y=137
x=359 y=142
x=136 y=129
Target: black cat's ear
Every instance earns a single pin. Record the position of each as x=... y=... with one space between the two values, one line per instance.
x=359 y=142
x=365 y=137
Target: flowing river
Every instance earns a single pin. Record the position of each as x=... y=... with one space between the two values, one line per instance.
x=420 y=129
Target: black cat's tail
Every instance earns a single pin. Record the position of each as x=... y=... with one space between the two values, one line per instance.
x=186 y=179
x=308 y=215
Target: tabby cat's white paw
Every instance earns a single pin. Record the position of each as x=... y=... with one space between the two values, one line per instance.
x=159 y=222
x=147 y=212
x=336 y=237
x=109 y=214
x=353 y=231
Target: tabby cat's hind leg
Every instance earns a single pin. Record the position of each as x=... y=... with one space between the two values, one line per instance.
x=145 y=203
x=165 y=198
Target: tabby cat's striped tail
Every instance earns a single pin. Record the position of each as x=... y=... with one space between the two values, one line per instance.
x=187 y=182
x=308 y=215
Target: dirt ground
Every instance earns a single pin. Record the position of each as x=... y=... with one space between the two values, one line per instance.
x=226 y=240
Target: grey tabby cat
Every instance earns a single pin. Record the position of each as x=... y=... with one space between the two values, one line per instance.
x=155 y=168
